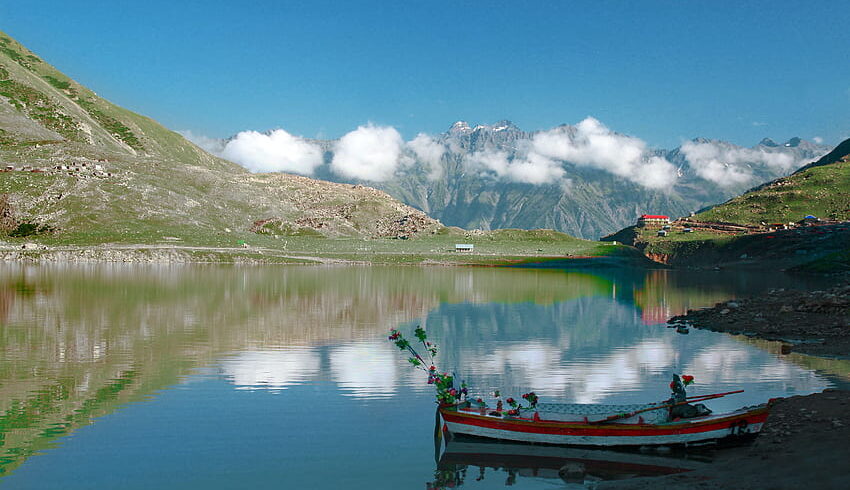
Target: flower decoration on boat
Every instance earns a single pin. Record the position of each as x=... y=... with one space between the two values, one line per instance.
x=687 y=379
x=447 y=393
x=510 y=401
x=531 y=398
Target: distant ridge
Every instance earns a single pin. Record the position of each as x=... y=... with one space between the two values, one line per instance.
x=839 y=153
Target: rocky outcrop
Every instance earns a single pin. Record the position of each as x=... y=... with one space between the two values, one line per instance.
x=815 y=322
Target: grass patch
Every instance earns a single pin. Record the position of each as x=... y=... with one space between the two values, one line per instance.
x=833 y=263
x=60 y=84
x=30 y=229
x=822 y=191
x=109 y=123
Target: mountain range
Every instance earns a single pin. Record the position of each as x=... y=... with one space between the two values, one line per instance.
x=588 y=198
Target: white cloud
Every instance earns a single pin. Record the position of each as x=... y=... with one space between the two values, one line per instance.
x=530 y=169
x=369 y=153
x=210 y=145
x=430 y=152
x=590 y=143
x=277 y=151
x=727 y=165
x=818 y=140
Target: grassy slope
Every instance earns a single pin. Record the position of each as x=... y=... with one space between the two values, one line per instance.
x=164 y=186
x=821 y=189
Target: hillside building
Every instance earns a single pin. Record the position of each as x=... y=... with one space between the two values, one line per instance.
x=652 y=220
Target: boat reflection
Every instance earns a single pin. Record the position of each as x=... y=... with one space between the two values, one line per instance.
x=505 y=462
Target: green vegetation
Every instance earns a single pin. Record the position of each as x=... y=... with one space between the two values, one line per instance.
x=833 y=263
x=437 y=248
x=823 y=190
x=13 y=54
x=678 y=242
x=30 y=229
x=111 y=124
x=60 y=84
x=5 y=138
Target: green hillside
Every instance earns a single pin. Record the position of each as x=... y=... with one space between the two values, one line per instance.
x=104 y=174
x=821 y=189
x=86 y=172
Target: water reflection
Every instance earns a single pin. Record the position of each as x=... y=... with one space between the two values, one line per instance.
x=78 y=342
x=478 y=463
x=275 y=369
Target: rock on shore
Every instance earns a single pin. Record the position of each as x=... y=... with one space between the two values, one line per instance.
x=813 y=322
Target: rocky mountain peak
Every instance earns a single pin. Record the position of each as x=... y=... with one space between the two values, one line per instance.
x=460 y=127
x=768 y=142
x=793 y=142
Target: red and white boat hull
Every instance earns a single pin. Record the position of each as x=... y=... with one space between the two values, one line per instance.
x=473 y=423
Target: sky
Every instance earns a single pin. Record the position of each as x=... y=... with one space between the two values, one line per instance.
x=662 y=71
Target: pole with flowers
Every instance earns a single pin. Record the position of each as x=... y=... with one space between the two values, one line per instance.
x=448 y=395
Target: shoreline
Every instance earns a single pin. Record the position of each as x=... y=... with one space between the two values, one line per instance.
x=189 y=254
x=804 y=441
x=810 y=322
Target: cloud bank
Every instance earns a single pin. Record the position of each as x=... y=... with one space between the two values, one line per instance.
x=277 y=151
x=368 y=153
x=728 y=165
x=590 y=143
x=430 y=152
x=379 y=153
x=531 y=168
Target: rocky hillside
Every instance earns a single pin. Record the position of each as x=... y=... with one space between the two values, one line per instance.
x=83 y=169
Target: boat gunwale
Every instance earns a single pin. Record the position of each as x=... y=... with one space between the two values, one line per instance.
x=689 y=424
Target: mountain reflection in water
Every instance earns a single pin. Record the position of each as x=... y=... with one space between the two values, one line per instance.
x=80 y=342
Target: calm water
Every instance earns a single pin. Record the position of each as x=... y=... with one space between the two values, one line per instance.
x=224 y=377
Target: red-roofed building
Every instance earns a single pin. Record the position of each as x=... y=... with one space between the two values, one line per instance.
x=647 y=220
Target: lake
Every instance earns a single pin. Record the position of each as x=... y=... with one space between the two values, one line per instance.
x=117 y=376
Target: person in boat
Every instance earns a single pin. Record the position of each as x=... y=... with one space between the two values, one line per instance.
x=680 y=408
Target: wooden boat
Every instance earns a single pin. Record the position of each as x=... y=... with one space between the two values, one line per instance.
x=601 y=425
x=672 y=422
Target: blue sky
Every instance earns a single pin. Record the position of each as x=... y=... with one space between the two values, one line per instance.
x=661 y=71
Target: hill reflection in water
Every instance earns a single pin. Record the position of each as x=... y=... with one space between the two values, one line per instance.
x=79 y=342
